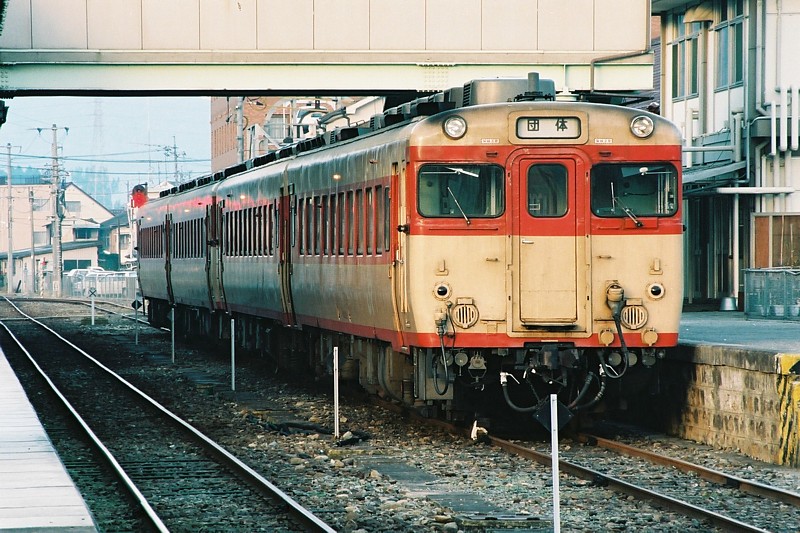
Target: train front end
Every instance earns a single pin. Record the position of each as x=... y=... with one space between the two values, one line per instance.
x=541 y=253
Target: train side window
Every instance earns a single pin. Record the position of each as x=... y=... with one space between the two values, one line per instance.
x=311 y=218
x=317 y=224
x=547 y=190
x=359 y=222
x=257 y=220
x=324 y=223
x=340 y=224
x=251 y=231
x=270 y=229
x=245 y=250
x=225 y=235
x=369 y=220
x=229 y=233
x=460 y=191
x=265 y=209
x=634 y=189
x=387 y=219
x=378 y=201
x=300 y=214
x=349 y=231
x=240 y=232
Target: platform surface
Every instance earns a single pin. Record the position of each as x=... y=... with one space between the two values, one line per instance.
x=733 y=328
x=36 y=493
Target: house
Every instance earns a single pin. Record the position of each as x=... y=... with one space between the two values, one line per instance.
x=31 y=218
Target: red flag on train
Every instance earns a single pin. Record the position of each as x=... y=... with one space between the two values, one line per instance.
x=139 y=195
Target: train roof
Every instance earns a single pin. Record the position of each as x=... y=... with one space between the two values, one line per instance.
x=476 y=93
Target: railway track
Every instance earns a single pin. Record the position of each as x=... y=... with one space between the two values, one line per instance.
x=669 y=483
x=448 y=467
x=168 y=467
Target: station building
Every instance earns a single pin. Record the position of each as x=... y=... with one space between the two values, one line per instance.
x=730 y=81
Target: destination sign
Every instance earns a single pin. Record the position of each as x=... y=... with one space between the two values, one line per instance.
x=548 y=127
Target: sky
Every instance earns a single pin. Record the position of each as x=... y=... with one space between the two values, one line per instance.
x=127 y=140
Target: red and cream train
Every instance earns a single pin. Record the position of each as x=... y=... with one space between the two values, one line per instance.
x=485 y=242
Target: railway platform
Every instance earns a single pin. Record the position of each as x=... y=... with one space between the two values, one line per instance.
x=733 y=382
x=36 y=493
x=734 y=329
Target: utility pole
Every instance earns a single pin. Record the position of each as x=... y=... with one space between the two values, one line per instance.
x=33 y=246
x=58 y=216
x=240 y=130
x=175 y=156
x=10 y=262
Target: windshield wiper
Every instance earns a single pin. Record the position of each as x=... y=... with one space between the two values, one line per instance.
x=625 y=208
x=458 y=205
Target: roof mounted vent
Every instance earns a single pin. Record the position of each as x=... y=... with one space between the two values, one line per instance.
x=493 y=91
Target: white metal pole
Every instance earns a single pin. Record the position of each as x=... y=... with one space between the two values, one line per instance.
x=554 y=458
x=233 y=356
x=92 y=292
x=336 y=391
x=172 y=331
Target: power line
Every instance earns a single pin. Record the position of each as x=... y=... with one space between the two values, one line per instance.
x=94 y=160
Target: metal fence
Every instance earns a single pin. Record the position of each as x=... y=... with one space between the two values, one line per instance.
x=772 y=293
x=103 y=284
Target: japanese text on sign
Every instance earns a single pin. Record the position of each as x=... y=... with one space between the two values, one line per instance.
x=548 y=127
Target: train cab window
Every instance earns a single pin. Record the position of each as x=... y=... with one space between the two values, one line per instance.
x=547 y=190
x=460 y=191
x=634 y=189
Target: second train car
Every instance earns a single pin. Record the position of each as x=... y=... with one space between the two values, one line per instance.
x=485 y=242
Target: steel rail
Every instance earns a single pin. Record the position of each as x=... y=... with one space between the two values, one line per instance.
x=714 y=476
x=724 y=522
x=148 y=510
x=304 y=517
x=600 y=479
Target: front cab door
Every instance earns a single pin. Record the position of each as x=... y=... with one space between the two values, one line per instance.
x=551 y=275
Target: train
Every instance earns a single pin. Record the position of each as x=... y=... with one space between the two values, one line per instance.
x=488 y=245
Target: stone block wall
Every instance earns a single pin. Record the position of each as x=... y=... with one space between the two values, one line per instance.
x=733 y=398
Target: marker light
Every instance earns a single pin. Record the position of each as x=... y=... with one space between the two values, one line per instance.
x=455 y=127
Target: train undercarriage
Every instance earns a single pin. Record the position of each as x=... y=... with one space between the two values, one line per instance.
x=450 y=383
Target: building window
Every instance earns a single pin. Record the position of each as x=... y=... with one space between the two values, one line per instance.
x=777 y=241
x=83 y=233
x=74 y=208
x=685 y=61
x=730 y=44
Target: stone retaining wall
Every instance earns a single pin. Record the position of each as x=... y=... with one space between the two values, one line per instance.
x=730 y=397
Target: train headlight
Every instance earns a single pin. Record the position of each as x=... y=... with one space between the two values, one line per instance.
x=642 y=126
x=455 y=127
